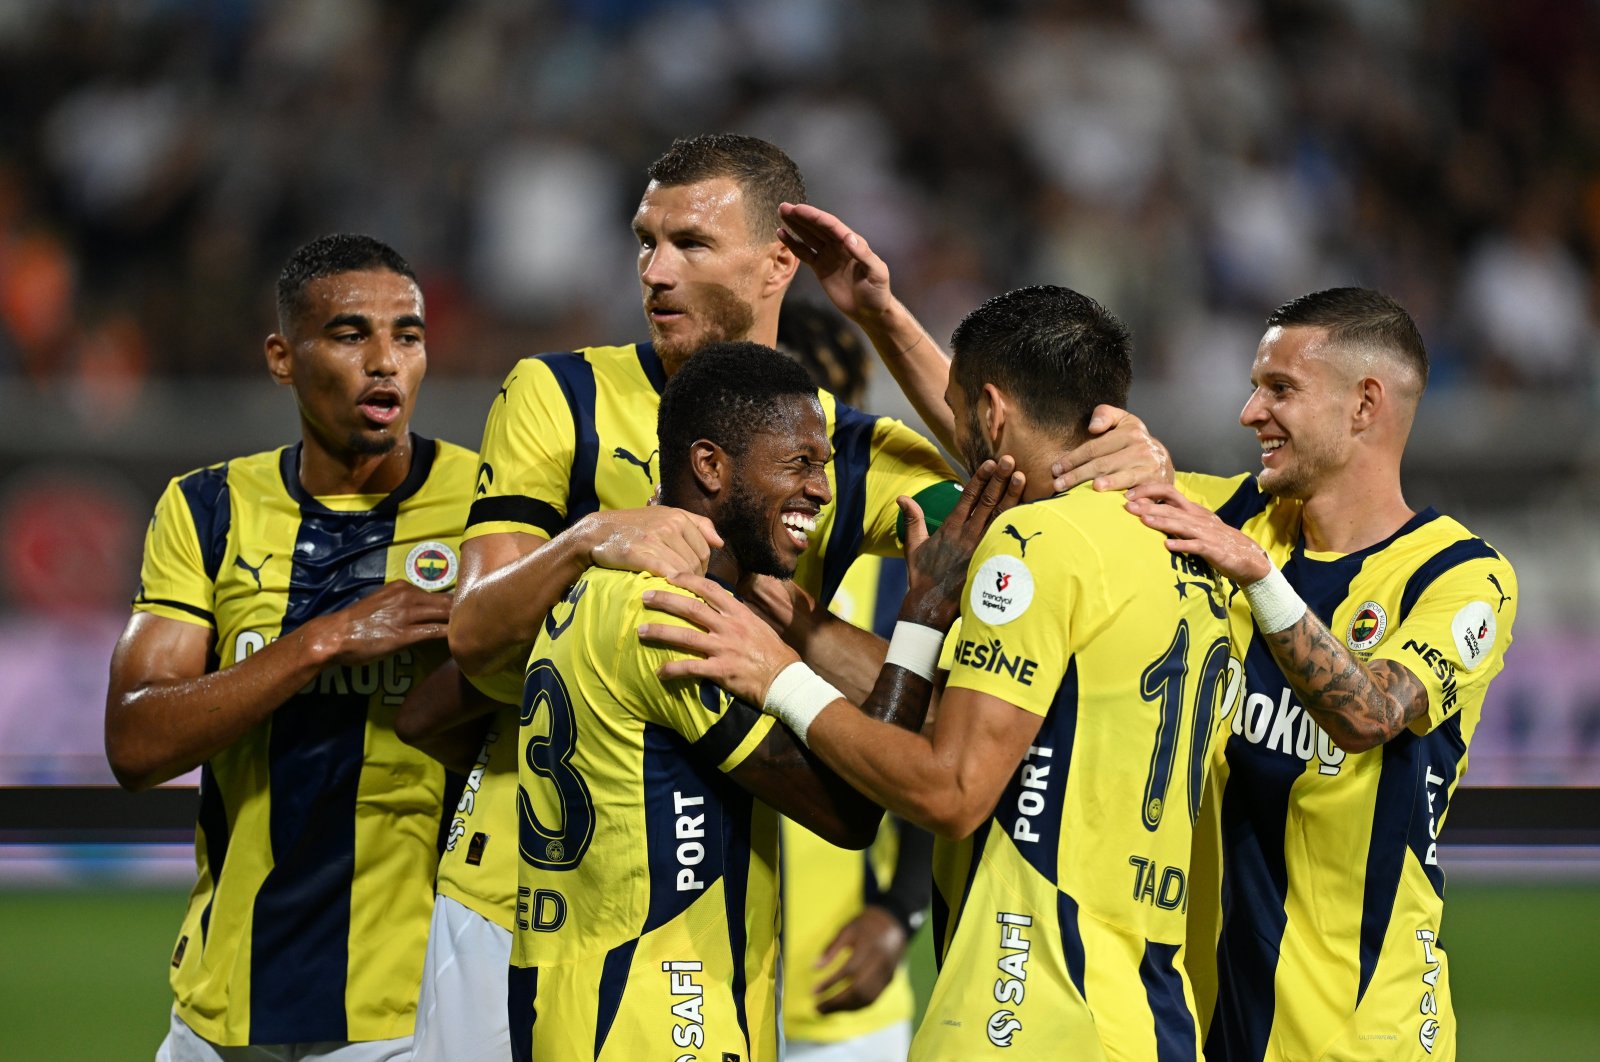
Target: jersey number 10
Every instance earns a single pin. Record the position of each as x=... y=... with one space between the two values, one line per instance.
x=1163 y=682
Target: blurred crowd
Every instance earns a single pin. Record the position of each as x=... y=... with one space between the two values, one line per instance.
x=1190 y=162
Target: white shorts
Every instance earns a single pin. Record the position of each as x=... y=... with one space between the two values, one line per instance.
x=461 y=1014
x=889 y=1044
x=183 y=1044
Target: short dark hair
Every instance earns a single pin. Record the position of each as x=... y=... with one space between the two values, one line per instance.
x=326 y=256
x=1358 y=317
x=727 y=393
x=826 y=346
x=1057 y=353
x=765 y=175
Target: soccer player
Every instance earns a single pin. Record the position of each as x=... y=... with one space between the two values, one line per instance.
x=1376 y=631
x=570 y=461
x=287 y=602
x=647 y=910
x=848 y=916
x=1065 y=766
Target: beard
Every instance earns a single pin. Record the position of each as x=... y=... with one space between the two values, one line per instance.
x=371 y=444
x=975 y=449
x=723 y=316
x=743 y=526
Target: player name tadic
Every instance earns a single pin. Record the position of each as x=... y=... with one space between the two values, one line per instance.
x=1002 y=590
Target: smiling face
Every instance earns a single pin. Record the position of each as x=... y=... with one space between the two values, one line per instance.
x=703 y=272
x=1301 y=410
x=354 y=355
x=779 y=484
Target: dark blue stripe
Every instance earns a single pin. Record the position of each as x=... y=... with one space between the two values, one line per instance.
x=650 y=362
x=1453 y=555
x=613 y=983
x=522 y=989
x=1071 y=940
x=1057 y=733
x=939 y=915
x=1247 y=502
x=213 y=825
x=1163 y=988
x=891 y=592
x=206 y=493
x=575 y=376
x=669 y=768
x=852 y=453
x=1443 y=750
x=301 y=924
x=1399 y=786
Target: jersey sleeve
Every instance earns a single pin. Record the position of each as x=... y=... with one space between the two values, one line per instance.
x=173 y=580
x=1454 y=638
x=525 y=461
x=1016 y=618
x=902 y=462
x=722 y=730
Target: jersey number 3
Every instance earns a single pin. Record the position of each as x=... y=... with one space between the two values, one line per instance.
x=549 y=756
x=1163 y=682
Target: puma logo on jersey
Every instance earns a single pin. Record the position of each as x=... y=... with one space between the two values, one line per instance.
x=1010 y=529
x=1504 y=597
x=254 y=570
x=644 y=464
x=505 y=387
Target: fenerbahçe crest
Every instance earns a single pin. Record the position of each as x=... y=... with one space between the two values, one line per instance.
x=431 y=565
x=1002 y=590
x=1367 y=627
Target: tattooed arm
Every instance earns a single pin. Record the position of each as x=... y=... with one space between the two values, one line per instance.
x=1361 y=706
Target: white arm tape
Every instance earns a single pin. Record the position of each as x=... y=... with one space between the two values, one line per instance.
x=915 y=647
x=797 y=696
x=1275 y=604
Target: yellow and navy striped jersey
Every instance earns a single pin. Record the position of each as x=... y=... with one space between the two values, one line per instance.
x=825 y=886
x=573 y=433
x=319 y=829
x=1317 y=899
x=1060 y=922
x=647 y=898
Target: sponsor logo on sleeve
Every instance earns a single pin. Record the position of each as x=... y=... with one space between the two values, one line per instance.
x=1473 y=630
x=1367 y=627
x=431 y=565
x=1002 y=590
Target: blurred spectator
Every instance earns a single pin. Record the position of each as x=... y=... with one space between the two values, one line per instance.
x=1179 y=158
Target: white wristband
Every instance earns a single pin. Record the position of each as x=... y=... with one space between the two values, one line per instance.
x=1275 y=604
x=915 y=647
x=797 y=696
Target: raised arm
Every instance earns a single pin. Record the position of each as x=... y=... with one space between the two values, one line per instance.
x=1360 y=705
x=165 y=714
x=510 y=580
x=857 y=281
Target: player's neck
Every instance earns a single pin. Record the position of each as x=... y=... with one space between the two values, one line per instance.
x=325 y=471
x=1353 y=513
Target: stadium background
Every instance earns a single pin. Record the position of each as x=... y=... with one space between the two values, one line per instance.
x=1192 y=163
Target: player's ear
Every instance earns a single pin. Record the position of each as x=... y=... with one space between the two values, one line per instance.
x=781 y=265
x=1370 y=400
x=280 y=360
x=711 y=467
x=994 y=410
